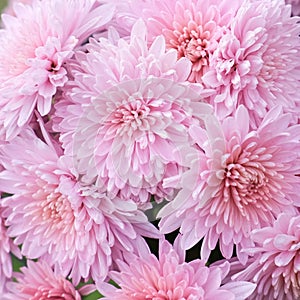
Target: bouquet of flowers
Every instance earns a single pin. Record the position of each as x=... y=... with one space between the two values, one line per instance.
x=150 y=149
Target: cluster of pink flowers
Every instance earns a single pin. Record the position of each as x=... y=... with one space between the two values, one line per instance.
x=122 y=122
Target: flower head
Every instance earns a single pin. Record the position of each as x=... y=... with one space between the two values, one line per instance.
x=169 y=277
x=125 y=126
x=78 y=229
x=275 y=267
x=242 y=179
x=257 y=61
x=37 y=281
x=35 y=45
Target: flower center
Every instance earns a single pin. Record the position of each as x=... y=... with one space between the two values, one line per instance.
x=192 y=42
x=249 y=183
x=192 y=45
x=225 y=67
x=130 y=116
x=250 y=178
x=54 y=208
x=132 y=112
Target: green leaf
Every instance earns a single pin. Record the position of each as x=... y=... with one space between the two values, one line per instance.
x=94 y=296
x=17 y=263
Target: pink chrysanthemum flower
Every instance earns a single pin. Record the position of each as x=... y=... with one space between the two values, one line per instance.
x=76 y=228
x=35 y=45
x=37 y=281
x=242 y=180
x=125 y=116
x=169 y=277
x=275 y=267
x=192 y=27
x=6 y=247
x=257 y=61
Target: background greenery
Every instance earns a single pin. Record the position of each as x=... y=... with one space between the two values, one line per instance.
x=2 y=3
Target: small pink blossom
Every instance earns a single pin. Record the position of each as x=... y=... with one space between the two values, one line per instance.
x=78 y=229
x=37 y=281
x=35 y=45
x=275 y=267
x=241 y=180
x=169 y=277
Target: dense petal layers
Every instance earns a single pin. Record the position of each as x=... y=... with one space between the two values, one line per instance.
x=169 y=277
x=275 y=266
x=114 y=113
x=248 y=51
x=42 y=39
x=192 y=28
x=78 y=229
x=37 y=281
x=125 y=127
x=242 y=180
x=257 y=61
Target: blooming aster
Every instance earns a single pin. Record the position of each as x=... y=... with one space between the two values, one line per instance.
x=241 y=180
x=275 y=267
x=78 y=229
x=125 y=125
x=257 y=61
x=35 y=45
x=37 y=281
x=169 y=277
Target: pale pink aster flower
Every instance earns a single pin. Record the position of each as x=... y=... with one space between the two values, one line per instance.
x=170 y=277
x=257 y=61
x=241 y=180
x=37 y=281
x=34 y=47
x=125 y=116
x=6 y=248
x=275 y=267
x=76 y=228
